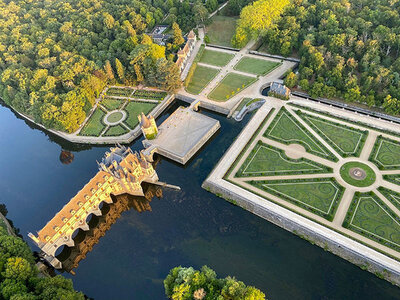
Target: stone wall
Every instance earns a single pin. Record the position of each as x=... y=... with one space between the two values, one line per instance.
x=323 y=241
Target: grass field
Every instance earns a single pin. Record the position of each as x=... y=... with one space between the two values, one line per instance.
x=148 y=94
x=256 y=66
x=265 y=160
x=367 y=181
x=287 y=130
x=115 y=131
x=230 y=86
x=216 y=58
x=346 y=140
x=386 y=154
x=201 y=77
x=114 y=117
x=94 y=126
x=369 y=216
x=134 y=109
x=318 y=195
x=221 y=30
x=112 y=104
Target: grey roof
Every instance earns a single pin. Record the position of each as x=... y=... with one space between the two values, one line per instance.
x=279 y=88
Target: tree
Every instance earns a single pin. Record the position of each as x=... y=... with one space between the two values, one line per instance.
x=256 y=18
x=200 y=13
x=109 y=71
x=291 y=80
x=120 y=70
x=177 y=35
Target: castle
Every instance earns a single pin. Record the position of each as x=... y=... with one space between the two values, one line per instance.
x=148 y=126
x=120 y=172
x=184 y=54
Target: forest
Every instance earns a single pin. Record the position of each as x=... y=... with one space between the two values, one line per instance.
x=57 y=56
x=349 y=49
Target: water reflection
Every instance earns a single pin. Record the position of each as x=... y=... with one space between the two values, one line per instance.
x=99 y=225
x=66 y=157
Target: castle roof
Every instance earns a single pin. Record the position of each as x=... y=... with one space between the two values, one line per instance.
x=191 y=35
x=144 y=121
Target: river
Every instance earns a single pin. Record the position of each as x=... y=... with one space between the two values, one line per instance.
x=188 y=228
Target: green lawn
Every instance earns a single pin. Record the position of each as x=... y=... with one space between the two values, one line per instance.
x=318 y=195
x=201 y=77
x=115 y=117
x=394 y=178
x=346 y=140
x=392 y=196
x=115 y=130
x=287 y=130
x=94 y=126
x=386 y=154
x=369 y=216
x=112 y=104
x=230 y=86
x=134 y=109
x=216 y=58
x=221 y=30
x=367 y=181
x=265 y=160
x=256 y=66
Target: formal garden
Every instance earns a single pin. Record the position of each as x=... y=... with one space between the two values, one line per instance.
x=221 y=30
x=216 y=58
x=116 y=114
x=320 y=166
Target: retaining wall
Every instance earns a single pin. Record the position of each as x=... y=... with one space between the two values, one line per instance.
x=323 y=241
x=292 y=59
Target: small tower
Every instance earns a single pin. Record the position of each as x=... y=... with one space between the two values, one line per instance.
x=148 y=126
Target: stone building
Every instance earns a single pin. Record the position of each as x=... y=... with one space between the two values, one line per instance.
x=185 y=52
x=120 y=172
x=148 y=126
x=279 y=90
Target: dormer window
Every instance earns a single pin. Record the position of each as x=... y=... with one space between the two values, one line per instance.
x=72 y=212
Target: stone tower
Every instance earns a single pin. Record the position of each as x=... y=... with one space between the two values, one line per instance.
x=148 y=126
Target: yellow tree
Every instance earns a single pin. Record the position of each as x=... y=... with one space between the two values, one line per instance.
x=255 y=18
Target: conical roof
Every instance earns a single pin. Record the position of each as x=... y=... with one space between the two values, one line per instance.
x=144 y=122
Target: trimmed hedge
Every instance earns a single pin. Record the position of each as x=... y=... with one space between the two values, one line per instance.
x=357 y=151
x=284 y=110
x=352 y=210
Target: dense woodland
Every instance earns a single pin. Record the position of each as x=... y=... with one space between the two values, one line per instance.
x=348 y=49
x=188 y=284
x=19 y=276
x=57 y=56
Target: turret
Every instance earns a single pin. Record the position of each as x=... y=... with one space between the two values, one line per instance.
x=148 y=126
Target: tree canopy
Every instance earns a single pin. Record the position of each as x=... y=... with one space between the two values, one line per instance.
x=348 y=49
x=57 y=56
x=188 y=283
x=19 y=275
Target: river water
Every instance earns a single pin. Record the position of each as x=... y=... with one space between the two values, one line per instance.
x=188 y=228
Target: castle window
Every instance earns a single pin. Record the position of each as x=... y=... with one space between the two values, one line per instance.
x=47 y=238
x=72 y=211
x=93 y=191
x=86 y=197
x=80 y=204
x=65 y=220
x=99 y=184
